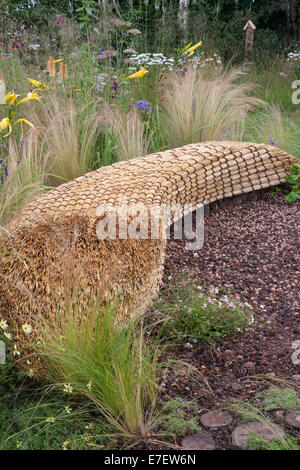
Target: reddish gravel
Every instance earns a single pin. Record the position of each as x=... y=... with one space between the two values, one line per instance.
x=251 y=245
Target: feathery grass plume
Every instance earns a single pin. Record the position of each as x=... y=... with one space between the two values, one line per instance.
x=199 y=109
x=26 y=175
x=71 y=132
x=92 y=354
x=130 y=136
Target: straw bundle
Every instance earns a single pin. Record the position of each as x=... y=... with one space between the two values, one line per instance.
x=53 y=248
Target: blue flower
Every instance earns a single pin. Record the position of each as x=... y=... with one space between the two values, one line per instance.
x=144 y=105
x=271 y=140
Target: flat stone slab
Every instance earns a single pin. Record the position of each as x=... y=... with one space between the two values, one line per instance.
x=265 y=431
x=296 y=377
x=216 y=419
x=198 y=442
x=293 y=419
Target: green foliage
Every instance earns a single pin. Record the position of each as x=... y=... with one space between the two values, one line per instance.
x=280 y=399
x=179 y=417
x=198 y=316
x=95 y=356
x=49 y=423
x=274 y=77
x=10 y=377
x=294 y=180
x=86 y=13
x=254 y=442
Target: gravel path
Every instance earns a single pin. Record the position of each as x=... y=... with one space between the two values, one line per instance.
x=251 y=245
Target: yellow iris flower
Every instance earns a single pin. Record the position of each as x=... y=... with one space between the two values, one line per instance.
x=139 y=74
x=38 y=84
x=32 y=95
x=24 y=120
x=4 y=124
x=11 y=98
x=192 y=49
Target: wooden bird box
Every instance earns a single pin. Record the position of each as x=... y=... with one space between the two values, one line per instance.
x=249 y=28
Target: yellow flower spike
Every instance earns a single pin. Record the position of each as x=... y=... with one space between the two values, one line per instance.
x=139 y=74
x=57 y=61
x=192 y=49
x=32 y=95
x=4 y=124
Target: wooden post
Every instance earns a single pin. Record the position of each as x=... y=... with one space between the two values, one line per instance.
x=249 y=28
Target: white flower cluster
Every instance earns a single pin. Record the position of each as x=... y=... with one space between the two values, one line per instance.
x=202 y=61
x=294 y=56
x=102 y=79
x=148 y=60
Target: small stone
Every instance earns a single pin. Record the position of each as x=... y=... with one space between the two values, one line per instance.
x=293 y=419
x=263 y=430
x=216 y=419
x=198 y=442
x=296 y=377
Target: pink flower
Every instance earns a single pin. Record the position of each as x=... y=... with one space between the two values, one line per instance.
x=59 y=21
x=16 y=45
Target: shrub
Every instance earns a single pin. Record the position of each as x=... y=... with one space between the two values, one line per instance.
x=191 y=314
x=294 y=180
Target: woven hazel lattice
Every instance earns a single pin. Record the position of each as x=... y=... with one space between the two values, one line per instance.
x=53 y=251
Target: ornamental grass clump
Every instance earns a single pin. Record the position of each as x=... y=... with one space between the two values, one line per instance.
x=129 y=130
x=90 y=354
x=198 y=109
x=71 y=133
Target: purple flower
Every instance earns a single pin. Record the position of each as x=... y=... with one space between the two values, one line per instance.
x=16 y=45
x=144 y=105
x=283 y=75
x=115 y=85
x=271 y=140
x=5 y=170
x=2 y=179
